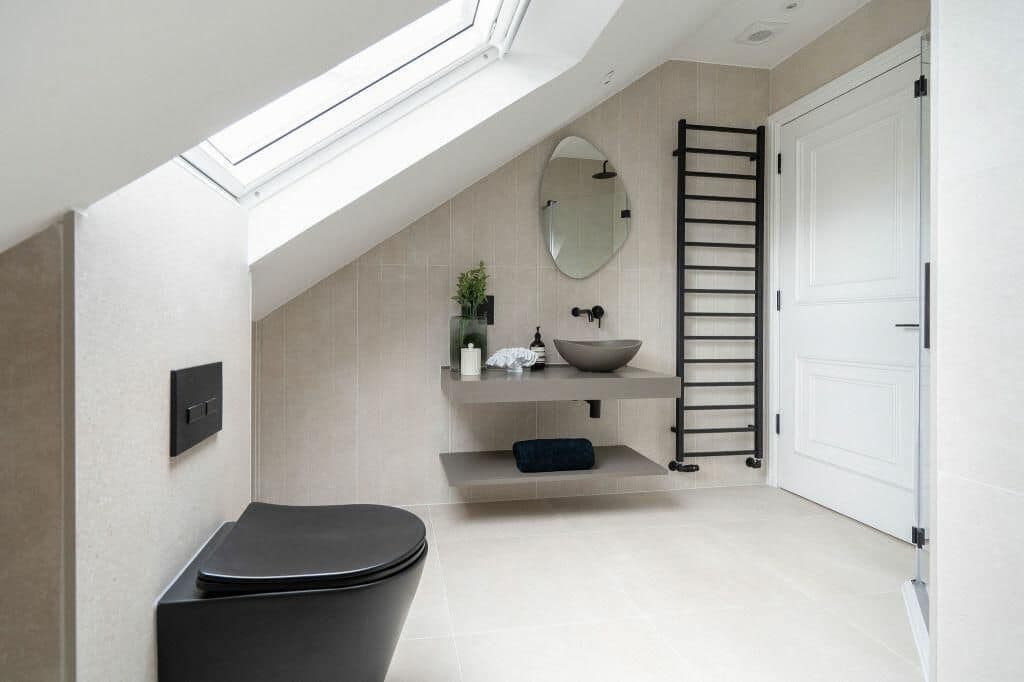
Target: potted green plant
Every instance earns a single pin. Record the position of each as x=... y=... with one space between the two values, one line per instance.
x=469 y=326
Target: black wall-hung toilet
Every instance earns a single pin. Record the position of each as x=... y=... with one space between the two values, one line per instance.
x=293 y=593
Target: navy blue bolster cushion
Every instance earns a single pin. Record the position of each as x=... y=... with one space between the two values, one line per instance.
x=553 y=454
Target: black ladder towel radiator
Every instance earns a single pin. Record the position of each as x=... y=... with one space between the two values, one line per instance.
x=756 y=429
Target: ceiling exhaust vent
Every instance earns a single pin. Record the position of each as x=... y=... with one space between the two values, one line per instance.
x=760 y=32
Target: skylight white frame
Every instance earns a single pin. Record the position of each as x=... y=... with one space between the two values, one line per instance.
x=315 y=142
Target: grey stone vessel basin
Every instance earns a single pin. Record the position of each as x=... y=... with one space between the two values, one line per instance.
x=598 y=356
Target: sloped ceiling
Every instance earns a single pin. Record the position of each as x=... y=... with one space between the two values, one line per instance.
x=291 y=248
x=95 y=94
x=329 y=218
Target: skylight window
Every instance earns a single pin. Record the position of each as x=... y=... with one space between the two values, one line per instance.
x=422 y=58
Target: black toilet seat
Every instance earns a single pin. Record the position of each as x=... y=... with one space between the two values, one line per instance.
x=275 y=548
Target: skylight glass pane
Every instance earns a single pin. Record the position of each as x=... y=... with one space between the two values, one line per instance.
x=367 y=91
x=374 y=66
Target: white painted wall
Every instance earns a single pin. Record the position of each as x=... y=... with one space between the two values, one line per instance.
x=161 y=283
x=977 y=145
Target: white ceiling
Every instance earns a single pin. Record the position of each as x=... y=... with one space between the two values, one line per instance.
x=715 y=40
x=95 y=94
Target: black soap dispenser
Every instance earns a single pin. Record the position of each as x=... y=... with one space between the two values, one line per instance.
x=538 y=347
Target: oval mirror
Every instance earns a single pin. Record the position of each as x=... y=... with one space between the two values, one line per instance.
x=584 y=210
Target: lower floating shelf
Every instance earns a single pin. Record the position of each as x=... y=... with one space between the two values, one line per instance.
x=499 y=466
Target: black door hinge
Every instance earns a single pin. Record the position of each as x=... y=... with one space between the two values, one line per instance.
x=917 y=536
x=921 y=87
x=778 y=164
x=778 y=427
x=778 y=299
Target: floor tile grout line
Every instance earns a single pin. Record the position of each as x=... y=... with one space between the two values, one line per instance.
x=813 y=600
x=545 y=626
x=913 y=660
x=575 y=532
x=444 y=591
x=655 y=619
x=797 y=585
x=585 y=621
x=617 y=579
x=667 y=642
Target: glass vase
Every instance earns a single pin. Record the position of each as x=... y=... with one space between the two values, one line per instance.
x=465 y=329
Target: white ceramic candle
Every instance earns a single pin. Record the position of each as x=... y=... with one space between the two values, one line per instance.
x=470 y=364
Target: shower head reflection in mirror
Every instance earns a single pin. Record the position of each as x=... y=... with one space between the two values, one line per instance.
x=584 y=208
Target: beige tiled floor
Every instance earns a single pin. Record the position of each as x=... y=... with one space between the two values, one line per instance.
x=716 y=584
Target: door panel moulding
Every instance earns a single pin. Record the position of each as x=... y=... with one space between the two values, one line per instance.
x=908 y=49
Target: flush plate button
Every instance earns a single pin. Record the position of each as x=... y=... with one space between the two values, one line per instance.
x=196 y=414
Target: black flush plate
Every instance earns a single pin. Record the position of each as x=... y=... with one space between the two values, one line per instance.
x=196 y=405
x=487 y=310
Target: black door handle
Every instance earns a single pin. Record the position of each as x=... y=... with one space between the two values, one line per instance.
x=927 y=305
x=909 y=325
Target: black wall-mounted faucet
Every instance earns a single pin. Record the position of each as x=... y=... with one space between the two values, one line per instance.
x=595 y=313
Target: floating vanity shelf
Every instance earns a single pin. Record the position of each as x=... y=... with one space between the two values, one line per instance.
x=497 y=467
x=558 y=382
x=555 y=382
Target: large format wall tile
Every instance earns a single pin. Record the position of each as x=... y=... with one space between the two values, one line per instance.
x=350 y=406
x=34 y=455
x=869 y=31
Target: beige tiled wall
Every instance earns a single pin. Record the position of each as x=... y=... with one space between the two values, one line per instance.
x=977 y=541
x=349 y=402
x=35 y=456
x=869 y=31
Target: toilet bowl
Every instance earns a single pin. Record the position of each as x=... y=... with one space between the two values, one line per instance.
x=293 y=593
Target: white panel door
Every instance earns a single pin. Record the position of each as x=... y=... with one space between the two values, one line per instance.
x=849 y=274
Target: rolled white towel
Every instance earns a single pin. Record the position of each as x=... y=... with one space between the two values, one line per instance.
x=512 y=359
